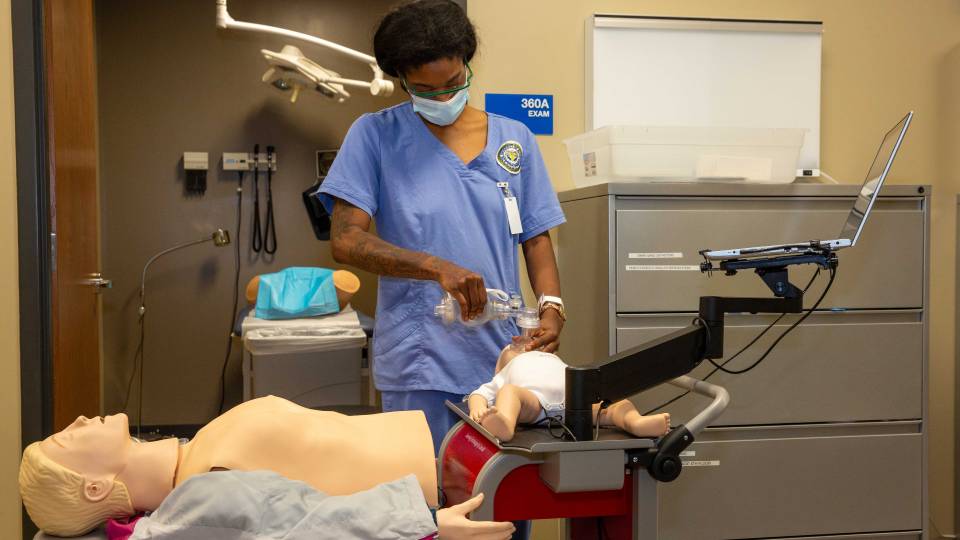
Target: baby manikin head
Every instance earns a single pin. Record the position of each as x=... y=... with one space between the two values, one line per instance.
x=68 y=481
x=508 y=353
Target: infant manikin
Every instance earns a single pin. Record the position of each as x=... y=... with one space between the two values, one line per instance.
x=529 y=386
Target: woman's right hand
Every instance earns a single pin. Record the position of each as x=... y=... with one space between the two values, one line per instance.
x=466 y=287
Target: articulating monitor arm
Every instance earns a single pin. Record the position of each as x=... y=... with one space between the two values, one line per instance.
x=668 y=358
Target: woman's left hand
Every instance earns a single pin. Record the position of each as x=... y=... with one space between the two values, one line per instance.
x=546 y=338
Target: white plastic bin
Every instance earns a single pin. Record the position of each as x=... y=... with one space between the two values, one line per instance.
x=314 y=362
x=640 y=153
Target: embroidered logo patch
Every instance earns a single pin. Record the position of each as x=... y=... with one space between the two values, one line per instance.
x=509 y=156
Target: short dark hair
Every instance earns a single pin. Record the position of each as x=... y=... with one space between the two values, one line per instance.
x=419 y=32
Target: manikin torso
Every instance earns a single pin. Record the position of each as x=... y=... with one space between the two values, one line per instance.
x=334 y=453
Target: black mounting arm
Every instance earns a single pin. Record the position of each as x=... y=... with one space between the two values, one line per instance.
x=665 y=358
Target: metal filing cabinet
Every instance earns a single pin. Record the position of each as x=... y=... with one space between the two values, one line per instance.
x=827 y=437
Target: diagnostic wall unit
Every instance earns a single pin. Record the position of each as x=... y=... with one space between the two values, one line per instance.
x=828 y=435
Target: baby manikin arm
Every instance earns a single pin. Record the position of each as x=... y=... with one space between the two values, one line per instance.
x=489 y=390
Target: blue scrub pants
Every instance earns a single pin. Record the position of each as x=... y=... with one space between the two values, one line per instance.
x=440 y=419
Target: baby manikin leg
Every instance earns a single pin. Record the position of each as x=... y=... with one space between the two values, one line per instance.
x=625 y=416
x=513 y=404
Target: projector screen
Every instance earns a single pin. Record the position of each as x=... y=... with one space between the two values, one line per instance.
x=655 y=71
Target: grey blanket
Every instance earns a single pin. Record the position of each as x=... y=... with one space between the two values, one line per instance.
x=262 y=505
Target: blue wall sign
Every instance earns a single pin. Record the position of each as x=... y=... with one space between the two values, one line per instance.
x=534 y=110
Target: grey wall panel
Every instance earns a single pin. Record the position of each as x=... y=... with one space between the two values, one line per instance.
x=687 y=226
x=835 y=367
x=774 y=487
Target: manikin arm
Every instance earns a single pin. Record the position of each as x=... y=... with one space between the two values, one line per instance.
x=478 y=401
x=478 y=406
x=453 y=523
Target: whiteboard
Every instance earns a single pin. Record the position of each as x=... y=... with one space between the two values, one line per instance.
x=656 y=71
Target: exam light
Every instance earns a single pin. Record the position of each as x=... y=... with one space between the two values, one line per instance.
x=291 y=70
x=220 y=238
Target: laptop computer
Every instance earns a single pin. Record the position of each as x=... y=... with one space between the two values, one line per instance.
x=852 y=228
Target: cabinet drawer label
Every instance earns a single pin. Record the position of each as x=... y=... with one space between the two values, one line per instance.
x=662 y=268
x=701 y=463
x=655 y=255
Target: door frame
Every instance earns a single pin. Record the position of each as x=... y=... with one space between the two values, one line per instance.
x=33 y=220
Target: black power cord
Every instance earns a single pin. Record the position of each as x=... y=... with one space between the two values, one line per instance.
x=236 y=294
x=270 y=233
x=137 y=362
x=256 y=242
x=718 y=367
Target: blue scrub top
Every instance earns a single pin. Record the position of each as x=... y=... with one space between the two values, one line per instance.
x=422 y=197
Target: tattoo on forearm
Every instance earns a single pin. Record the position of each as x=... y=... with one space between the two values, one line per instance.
x=349 y=230
x=376 y=255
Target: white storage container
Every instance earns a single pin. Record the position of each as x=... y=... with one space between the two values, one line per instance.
x=640 y=153
x=314 y=362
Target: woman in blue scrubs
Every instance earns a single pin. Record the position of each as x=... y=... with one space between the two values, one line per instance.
x=454 y=192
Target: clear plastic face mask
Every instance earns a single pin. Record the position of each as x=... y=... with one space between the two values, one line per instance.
x=528 y=319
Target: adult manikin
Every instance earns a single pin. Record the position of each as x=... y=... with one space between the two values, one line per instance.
x=92 y=470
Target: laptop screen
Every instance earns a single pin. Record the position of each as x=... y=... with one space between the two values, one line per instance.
x=876 y=175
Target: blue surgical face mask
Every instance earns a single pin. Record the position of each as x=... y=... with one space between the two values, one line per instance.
x=441 y=113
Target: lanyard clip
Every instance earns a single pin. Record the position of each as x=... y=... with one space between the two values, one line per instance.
x=505 y=188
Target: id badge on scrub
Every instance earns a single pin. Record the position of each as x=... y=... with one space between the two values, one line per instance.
x=513 y=210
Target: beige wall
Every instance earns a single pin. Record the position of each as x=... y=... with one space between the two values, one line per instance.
x=880 y=58
x=9 y=294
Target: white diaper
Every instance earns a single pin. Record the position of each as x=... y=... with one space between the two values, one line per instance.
x=557 y=411
x=541 y=373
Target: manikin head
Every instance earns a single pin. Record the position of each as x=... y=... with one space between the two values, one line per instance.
x=68 y=481
x=508 y=353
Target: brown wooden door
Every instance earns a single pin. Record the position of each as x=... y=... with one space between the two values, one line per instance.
x=71 y=128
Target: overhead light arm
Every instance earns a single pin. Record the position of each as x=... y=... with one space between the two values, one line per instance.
x=378 y=85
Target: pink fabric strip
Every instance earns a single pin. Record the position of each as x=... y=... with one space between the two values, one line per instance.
x=121 y=529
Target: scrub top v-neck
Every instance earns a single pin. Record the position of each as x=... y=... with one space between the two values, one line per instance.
x=423 y=197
